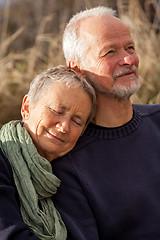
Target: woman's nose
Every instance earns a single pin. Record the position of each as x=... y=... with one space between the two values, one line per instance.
x=63 y=126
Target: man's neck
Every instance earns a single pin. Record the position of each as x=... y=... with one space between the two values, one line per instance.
x=113 y=112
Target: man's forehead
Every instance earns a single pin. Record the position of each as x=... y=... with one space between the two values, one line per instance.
x=92 y=26
x=95 y=30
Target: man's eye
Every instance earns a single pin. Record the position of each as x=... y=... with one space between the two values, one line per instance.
x=109 y=52
x=131 y=48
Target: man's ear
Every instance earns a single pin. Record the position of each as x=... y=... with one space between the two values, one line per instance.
x=74 y=66
x=25 y=110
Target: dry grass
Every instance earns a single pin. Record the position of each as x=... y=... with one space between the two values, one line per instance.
x=18 y=67
x=147 y=39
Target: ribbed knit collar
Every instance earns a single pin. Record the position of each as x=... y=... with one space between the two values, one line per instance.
x=114 y=133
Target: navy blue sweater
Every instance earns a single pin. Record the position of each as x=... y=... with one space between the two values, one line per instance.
x=110 y=184
x=111 y=181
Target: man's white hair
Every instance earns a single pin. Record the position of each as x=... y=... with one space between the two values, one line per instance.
x=74 y=47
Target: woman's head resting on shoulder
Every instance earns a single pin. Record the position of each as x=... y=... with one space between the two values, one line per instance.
x=59 y=105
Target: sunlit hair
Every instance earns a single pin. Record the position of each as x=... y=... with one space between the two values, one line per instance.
x=42 y=83
x=74 y=47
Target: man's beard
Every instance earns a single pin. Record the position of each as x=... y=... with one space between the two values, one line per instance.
x=117 y=91
x=123 y=92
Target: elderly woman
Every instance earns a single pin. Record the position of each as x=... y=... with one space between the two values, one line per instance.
x=55 y=112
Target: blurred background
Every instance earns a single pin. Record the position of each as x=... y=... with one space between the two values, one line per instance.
x=30 y=42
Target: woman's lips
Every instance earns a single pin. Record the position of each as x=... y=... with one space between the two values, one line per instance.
x=54 y=137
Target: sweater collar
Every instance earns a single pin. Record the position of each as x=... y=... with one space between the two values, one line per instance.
x=114 y=133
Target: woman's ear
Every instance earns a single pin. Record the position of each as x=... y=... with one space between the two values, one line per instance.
x=25 y=108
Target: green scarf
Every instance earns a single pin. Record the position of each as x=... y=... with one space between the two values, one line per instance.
x=35 y=182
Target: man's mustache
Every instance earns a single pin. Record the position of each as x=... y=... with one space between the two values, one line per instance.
x=124 y=71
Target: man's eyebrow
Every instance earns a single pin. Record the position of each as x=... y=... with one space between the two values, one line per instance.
x=105 y=48
x=130 y=42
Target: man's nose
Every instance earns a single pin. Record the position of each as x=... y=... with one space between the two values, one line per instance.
x=127 y=59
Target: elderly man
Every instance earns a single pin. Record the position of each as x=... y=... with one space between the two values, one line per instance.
x=111 y=179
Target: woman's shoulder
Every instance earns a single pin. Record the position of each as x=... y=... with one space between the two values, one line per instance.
x=5 y=168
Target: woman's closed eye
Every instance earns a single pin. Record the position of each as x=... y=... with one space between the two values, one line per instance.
x=57 y=112
x=76 y=121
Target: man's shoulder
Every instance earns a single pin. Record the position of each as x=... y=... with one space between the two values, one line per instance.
x=83 y=141
x=147 y=109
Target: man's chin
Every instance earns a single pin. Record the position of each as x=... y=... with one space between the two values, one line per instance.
x=125 y=92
